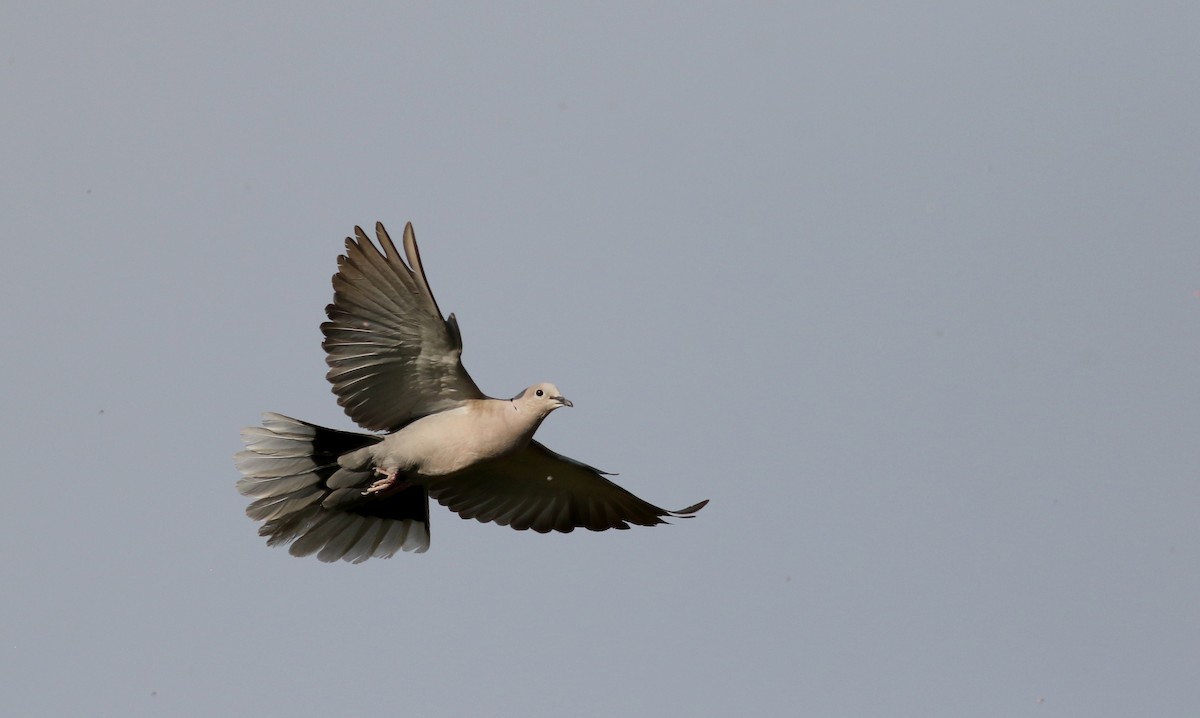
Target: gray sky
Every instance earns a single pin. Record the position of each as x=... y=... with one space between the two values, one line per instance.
x=910 y=292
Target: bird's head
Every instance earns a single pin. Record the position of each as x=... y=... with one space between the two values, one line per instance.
x=542 y=398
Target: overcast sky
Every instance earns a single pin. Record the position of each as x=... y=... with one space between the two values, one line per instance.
x=911 y=292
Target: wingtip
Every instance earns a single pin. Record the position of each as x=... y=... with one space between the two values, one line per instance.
x=410 y=245
x=689 y=511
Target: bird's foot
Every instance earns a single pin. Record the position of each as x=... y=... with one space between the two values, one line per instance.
x=387 y=482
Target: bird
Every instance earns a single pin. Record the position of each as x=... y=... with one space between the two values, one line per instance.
x=395 y=365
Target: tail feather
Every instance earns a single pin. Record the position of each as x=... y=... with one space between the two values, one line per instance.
x=272 y=507
x=373 y=532
x=286 y=468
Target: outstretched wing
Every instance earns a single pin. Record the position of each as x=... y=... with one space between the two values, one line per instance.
x=538 y=489
x=392 y=357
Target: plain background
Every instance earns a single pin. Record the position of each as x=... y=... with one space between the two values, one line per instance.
x=910 y=291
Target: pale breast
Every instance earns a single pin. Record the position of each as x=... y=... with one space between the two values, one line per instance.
x=453 y=440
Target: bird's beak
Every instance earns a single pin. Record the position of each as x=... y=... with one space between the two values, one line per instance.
x=563 y=401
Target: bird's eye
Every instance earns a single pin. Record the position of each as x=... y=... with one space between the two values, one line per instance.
x=540 y=392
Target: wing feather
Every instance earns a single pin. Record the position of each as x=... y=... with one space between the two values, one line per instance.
x=392 y=357
x=538 y=489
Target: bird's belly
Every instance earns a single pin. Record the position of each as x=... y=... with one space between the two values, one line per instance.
x=426 y=450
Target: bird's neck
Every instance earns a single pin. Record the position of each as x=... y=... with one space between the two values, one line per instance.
x=523 y=420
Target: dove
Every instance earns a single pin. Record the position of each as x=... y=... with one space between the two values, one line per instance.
x=395 y=364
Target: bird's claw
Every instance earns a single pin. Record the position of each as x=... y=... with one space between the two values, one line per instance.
x=388 y=480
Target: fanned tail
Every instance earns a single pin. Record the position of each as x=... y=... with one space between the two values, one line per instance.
x=288 y=467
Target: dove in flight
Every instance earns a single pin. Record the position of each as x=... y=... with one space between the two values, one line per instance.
x=395 y=365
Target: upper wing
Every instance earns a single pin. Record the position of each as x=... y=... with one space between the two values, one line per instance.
x=392 y=358
x=538 y=489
